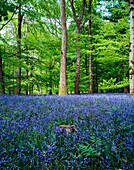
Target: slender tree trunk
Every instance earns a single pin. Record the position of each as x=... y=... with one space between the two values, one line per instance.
x=86 y=64
x=77 y=74
x=27 y=76
x=96 y=78
x=131 y=54
x=14 y=82
x=63 y=86
x=90 y=48
x=2 y=77
x=31 y=82
x=78 y=21
x=50 y=79
x=18 y=81
x=125 y=90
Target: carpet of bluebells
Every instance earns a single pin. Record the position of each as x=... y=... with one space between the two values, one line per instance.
x=31 y=139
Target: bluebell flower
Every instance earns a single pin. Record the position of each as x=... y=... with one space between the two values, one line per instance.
x=30 y=131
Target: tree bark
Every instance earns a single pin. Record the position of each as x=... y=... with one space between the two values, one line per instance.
x=63 y=86
x=2 y=77
x=131 y=54
x=27 y=77
x=90 y=48
x=77 y=74
x=78 y=21
x=18 y=81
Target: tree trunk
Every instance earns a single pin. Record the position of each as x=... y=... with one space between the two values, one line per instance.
x=2 y=77
x=96 y=78
x=18 y=81
x=50 y=79
x=77 y=75
x=125 y=90
x=78 y=21
x=27 y=77
x=31 y=82
x=131 y=54
x=63 y=86
x=90 y=48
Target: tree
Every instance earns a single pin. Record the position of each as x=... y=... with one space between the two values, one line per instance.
x=131 y=54
x=78 y=21
x=112 y=48
x=18 y=81
x=2 y=75
x=90 y=48
x=63 y=86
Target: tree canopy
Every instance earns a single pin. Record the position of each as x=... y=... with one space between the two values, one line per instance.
x=98 y=46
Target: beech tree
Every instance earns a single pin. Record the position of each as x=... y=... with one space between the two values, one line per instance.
x=78 y=20
x=18 y=81
x=90 y=47
x=131 y=54
x=63 y=86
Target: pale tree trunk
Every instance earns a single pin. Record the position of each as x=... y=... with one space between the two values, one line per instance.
x=90 y=48
x=18 y=80
x=63 y=86
x=131 y=54
x=78 y=21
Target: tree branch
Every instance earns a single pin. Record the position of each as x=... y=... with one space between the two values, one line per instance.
x=78 y=20
x=25 y=49
x=73 y=10
x=8 y=20
x=82 y=10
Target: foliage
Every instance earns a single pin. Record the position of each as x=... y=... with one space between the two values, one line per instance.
x=113 y=84
x=31 y=138
x=41 y=45
x=5 y=8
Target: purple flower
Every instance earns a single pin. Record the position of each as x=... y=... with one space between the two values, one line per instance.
x=30 y=134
